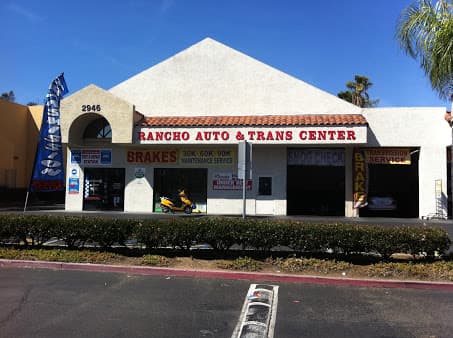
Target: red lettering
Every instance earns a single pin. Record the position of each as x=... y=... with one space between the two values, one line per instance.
x=251 y=135
x=199 y=136
x=341 y=134
x=216 y=135
x=269 y=137
x=312 y=135
x=159 y=136
x=289 y=135
x=260 y=136
x=167 y=136
x=130 y=156
x=207 y=135
x=322 y=135
x=177 y=136
x=225 y=135
x=303 y=135
x=331 y=134
x=165 y=156
x=173 y=156
x=185 y=135
x=351 y=135
x=279 y=135
x=147 y=158
x=150 y=136
x=156 y=157
x=138 y=157
x=141 y=136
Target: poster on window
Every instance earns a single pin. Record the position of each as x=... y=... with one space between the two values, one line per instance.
x=73 y=185
x=230 y=184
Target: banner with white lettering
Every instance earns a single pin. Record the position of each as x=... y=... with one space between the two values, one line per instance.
x=48 y=170
x=86 y=157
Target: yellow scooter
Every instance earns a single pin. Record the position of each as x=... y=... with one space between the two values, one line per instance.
x=167 y=204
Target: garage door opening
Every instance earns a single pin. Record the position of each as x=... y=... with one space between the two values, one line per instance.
x=393 y=188
x=167 y=182
x=316 y=182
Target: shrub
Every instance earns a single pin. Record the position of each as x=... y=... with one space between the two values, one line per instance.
x=294 y=264
x=149 y=233
x=155 y=260
x=181 y=232
x=221 y=233
x=262 y=234
x=6 y=232
x=242 y=263
x=109 y=231
x=74 y=231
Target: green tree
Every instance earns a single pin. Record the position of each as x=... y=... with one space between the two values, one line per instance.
x=425 y=32
x=357 y=92
x=8 y=96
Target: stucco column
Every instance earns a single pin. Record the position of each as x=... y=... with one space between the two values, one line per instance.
x=349 y=211
x=432 y=166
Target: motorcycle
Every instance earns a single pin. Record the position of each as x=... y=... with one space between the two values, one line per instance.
x=168 y=204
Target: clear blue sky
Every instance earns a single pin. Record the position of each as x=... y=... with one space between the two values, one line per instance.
x=105 y=42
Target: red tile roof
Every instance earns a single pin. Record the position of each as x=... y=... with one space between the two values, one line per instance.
x=265 y=120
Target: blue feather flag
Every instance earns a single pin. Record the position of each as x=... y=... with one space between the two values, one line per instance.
x=48 y=170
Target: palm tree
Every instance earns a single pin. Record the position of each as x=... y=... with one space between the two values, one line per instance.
x=425 y=32
x=8 y=96
x=358 y=92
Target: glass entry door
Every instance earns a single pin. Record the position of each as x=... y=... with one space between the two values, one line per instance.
x=104 y=189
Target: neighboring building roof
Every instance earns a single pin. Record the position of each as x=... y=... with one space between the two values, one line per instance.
x=268 y=120
x=448 y=117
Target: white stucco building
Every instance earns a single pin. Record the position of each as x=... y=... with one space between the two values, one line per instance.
x=179 y=123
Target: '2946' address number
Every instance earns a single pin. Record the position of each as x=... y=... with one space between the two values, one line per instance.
x=91 y=107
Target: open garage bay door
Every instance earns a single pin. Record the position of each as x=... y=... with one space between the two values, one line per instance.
x=315 y=182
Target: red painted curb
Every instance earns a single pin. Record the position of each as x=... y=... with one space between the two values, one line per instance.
x=232 y=275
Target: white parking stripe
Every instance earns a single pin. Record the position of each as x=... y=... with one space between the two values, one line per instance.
x=259 y=312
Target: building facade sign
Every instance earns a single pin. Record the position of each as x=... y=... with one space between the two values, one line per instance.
x=300 y=135
x=388 y=156
x=360 y=179
x=183 y=157
x=321 y=157
x=91 y=156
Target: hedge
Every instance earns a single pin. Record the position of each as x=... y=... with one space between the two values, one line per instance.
x=222 y=233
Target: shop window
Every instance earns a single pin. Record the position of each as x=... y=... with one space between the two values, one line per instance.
x=98 y=129
x=265 y=186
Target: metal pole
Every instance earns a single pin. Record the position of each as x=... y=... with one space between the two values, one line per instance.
x=244 y=195
x=26 y=200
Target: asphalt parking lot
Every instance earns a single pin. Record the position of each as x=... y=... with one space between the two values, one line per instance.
x=48 y=303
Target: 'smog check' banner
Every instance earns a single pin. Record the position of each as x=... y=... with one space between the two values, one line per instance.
x=48 y=173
